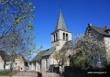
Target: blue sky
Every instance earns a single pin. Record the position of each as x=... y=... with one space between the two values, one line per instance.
x=77 y=14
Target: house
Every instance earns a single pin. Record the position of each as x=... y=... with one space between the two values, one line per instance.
x=2 y=60
x=100 y=34
x=1 y=63
x=7 y=62
x=20 y=63
x=59 y=38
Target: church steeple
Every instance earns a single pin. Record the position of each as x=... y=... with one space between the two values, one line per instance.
x=60 y=23
x=60 y=36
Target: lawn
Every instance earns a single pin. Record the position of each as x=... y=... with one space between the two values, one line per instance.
x=4 y=73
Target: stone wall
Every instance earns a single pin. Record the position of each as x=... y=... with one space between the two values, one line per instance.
x=1 y=64
x=19 y=64
x=107 y=45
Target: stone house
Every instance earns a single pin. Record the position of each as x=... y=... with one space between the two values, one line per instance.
x=100 y=34
x=59 y=38
x=2 y=60
x=1 y=64
x=20 y=63
x=5 y=62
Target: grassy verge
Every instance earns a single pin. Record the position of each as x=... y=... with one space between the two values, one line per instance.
x=5 y=73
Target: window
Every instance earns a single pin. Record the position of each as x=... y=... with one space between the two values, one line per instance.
x=66 y=37
x=63 y=36
x=107 y=31
x=93 y=36
x=21 y=68
x=56 y=37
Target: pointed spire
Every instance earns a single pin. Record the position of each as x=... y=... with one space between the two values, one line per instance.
x=60 y=23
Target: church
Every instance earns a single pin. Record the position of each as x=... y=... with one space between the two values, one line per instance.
x=60 y=37
x=61 y=41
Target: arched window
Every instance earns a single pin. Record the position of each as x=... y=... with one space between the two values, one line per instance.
x=66 y=37
x=56 y=37
x=63 y=36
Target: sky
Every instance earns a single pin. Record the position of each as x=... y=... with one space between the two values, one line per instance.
x=77 y=14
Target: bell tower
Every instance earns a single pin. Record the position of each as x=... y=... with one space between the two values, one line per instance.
x=61 y=35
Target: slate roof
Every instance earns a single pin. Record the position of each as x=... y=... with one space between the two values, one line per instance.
x=48 y=52
x=68 y=44
x=100 y=30
x=7 y=57
x=44 y=53
x=4 y=55
x=20 y=55
x=60 y=23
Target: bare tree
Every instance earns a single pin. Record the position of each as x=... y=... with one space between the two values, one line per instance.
x=13 y=13
x=16 y=30
x=60 y=57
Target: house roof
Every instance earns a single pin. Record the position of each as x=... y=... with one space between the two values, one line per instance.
x=60 y=23
x=4 y=55
x=44 y=53
x=20 y=56
x=100 y=30
x=7 y=57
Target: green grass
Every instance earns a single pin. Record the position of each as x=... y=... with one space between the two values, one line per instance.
x=4 y=73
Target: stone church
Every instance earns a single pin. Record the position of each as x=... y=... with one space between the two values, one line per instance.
x=60 y=37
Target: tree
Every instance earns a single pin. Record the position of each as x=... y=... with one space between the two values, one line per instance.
x=13 y=13
x=79 y=61
x=89 y=52
x=60 y=57
x=16 y=30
